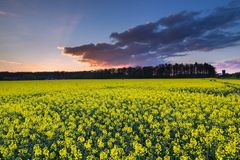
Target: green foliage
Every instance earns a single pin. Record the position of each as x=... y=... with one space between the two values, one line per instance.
x=120 y=119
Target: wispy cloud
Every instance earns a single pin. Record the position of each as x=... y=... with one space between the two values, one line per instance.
x=67 y=25
x=3 y=13
x=8 y=62
x=13 y=66
x=6 y=65
x=232 y=65
x=155 y=42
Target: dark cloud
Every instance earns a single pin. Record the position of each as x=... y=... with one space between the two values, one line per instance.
x=154 y=42
x=103 y=54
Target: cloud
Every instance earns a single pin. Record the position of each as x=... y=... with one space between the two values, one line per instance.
x=13 y=66
x=155 y=42
x=60 y=48
x=230 y=65
x=3 y=13
x=8 y=62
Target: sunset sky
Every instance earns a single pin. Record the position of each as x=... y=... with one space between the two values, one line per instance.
x=72 y=35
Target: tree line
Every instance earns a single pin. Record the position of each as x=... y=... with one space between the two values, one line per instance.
x=161 y=71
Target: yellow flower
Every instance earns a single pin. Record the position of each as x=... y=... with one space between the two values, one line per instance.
x=37 y=150
x=100 y=143
x=45 y=151
x=63 y=153
x=127 y=129
x=139 y=149
x=116 y=152
x=52 y=155
x=81 y=139
x=88 y=144
x=103 y=155
x=148 y=143
x=176 y=149
x=166 y=158
x=184 y=157
x=193 y=143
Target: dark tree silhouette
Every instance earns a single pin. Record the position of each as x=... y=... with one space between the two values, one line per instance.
x=161 y=71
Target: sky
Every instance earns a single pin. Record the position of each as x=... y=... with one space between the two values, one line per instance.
x=76 y=35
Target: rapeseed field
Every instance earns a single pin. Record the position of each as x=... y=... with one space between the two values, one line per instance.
x=120 y=119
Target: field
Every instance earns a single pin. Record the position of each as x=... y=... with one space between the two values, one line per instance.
x=120 y=119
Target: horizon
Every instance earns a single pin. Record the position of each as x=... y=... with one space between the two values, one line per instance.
x=99 y=69
x=60 y=35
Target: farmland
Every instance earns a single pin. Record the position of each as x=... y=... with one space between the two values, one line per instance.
x=120 y=119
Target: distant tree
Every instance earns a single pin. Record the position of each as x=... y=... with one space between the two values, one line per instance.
x=160 y=71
